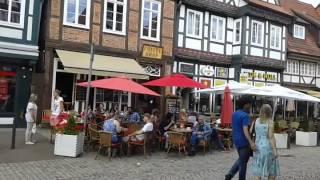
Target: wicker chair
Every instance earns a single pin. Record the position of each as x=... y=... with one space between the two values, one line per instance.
x=146 y=143
x=176 y=141
x=105 y=141
x=205 y=144
x=94 y=136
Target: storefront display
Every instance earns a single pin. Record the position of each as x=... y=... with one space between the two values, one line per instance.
x=7 y=88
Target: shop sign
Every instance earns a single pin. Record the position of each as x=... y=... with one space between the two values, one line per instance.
x=206 y=82
x=186 y=68
x=259 y=76
x=244 y=78
x=152 y=52
x=219 y=82
x=206 y=70
x=222 y=72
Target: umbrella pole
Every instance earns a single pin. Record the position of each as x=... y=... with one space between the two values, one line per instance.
x=120 y=101
x=88 y=88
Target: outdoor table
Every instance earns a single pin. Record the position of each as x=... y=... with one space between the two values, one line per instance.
x=227 y=136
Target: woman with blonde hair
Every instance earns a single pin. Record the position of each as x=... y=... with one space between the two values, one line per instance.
x=265 y=159
x=31 y=117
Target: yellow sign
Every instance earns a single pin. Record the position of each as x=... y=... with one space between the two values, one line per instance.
x=152 y=52
x=218 y=82
x=243 y=79
x=262 y=76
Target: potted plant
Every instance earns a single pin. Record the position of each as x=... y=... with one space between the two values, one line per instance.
x=306 y=136
x=281 y=134
x=69 y=138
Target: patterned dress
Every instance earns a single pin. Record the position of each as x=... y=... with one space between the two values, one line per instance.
x=264 y=163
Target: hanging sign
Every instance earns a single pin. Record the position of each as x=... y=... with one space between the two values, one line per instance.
x=206 y=70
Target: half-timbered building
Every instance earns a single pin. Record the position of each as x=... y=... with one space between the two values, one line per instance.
x=222 y=40
x=303 y=66
x=19 y=52
x=133 y=38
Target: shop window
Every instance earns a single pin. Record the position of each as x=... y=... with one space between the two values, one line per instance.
x=77 y=13
x=7 y=88
x=12 y=12
x=115 y=16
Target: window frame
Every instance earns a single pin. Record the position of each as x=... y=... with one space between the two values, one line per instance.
x=235 y=31
x=296 y=34
x=193 y=28
x=309 y=69
x=262 y=33
x=280 y=37
x=217 y=28
x=22 y=16
x=150 y=21
x=293 y=67
x=124 y=18
x=76 y=24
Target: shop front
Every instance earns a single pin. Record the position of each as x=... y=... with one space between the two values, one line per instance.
x=209 y=75
x=71 y=68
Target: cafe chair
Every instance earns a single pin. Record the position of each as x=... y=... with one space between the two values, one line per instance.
x=176 y=141
x=105 y=142
x=146 y=144
x=94 y=136
x=205 y=143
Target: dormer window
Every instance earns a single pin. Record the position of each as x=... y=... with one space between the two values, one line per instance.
x=299 y=31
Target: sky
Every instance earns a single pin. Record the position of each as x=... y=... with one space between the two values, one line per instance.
x=313 y=2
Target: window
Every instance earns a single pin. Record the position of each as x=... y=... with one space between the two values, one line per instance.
x=218 y=28
x=318 y=70
x=77 y=13
x=151 y=13
x=308 y=69
x=257 y=32
x=275 y=37
x=115 y=16
x=194 y=23
x=12 y=12
x=237 y=31
x=292 y=67
x=299 y=31
x=7 y=88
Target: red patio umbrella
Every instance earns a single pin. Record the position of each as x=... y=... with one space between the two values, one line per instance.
x=120 y=84
x=175 y=80
x=227 y=108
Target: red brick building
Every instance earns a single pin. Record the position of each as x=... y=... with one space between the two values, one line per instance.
x=131 y=37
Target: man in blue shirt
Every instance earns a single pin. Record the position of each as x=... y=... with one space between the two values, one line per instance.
x=241 y=139
x=133 y=116
x=201 y=131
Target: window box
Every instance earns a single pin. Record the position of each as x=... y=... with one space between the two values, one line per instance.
x=281 y=140
x=68 y=145
x=306 y=138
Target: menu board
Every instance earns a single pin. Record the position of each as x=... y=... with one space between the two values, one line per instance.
x=173 y=106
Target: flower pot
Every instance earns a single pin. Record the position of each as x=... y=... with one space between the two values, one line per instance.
x=281 y=140
x=306 y=138
x=68 y=145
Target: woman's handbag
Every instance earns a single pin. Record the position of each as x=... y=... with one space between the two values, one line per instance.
x=252 y=134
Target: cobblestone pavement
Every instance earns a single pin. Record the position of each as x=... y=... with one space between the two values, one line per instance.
x=298 y=163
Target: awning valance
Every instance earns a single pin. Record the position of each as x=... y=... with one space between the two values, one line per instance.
x=75 y=62
x=311 y=93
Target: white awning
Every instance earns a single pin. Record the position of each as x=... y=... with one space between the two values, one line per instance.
x=75 y=62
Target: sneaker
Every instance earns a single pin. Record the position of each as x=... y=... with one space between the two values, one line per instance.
x=228 y=177
x=29 y=143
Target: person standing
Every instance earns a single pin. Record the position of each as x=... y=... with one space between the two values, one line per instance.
x=57 y=108
x=241 y=139
x=265 y=159
x=31 y=116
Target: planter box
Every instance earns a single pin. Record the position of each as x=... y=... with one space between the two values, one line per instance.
x=306 y=138
x=281 y=140
x=68 y=145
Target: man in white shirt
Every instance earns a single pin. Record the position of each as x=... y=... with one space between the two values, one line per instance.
x=148 y=127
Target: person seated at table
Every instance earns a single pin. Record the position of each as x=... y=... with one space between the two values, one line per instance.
x=112 y=125
x=201 y=131
x=215 y=139
x=183 y=118
x=155 y=116
x=133 y=116
x=165 y=125
x=139 y=135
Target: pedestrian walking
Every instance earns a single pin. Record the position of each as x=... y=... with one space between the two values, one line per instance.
x=241 y=139
x=31 y=117
x=265 y=159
